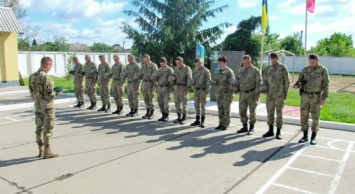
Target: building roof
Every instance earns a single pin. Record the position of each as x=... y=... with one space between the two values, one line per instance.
x=79 y=48
x=8 y=21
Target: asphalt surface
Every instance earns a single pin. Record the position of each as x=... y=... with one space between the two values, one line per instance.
x=105 y=153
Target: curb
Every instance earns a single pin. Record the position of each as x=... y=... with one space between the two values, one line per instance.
x=31 y=104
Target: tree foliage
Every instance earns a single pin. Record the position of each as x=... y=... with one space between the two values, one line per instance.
x=172 y=27
x=101 y=47
x=292 y=43
x=337 y=45
x=59 y=43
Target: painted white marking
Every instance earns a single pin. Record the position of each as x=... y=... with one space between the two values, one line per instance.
x=282 y=170
x=309 y=171
x=14 y=92
x=334 y=139
x=318 y=157
x=341 y=168
x=11 y=119
x=292 y=188
x=15 y=121
x=318 y=146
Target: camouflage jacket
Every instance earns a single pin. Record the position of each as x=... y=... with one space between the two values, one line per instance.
x=162 y=76
x=224 y=80
x=78 y=73
x=202 y=78
x=104 y=72
x=133 y=72
x=45 y=85
x=148 y=70
x=249 y=79
x=183 y=75
x=90 y=70
x=35 y=95
x=317 y=80
x=277 y=80
x=116 y=71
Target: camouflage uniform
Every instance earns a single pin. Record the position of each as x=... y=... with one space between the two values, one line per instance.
x=315 y=90
x=148 y=86
x=117 y=85
x=134 y=75
x=91 y=79
x=164 y=89
x=181 y=89
x=79 y=82
x=104 y=80
x=224 y=95
x=202 y=78
x=277 y=81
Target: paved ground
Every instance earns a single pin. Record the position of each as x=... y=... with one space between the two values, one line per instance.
x=105 y=153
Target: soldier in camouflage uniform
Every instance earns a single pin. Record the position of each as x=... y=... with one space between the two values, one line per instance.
x=42 y=91
x=182 y=75
x=148 y=87
x=78 y=82
x=134 y=75
x=201 y=78
x=314 y=85
x=90 y=72
x=117 y=85
x=249 y=78
x=104 y=73
x=277 y=81
x=223 y=82
x=164 y=88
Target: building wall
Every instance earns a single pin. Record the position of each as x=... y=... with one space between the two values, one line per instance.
x=9 y=59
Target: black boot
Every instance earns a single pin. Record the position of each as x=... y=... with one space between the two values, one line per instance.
x=120 y=112
x=251 y=129
x=151 y=114
x=270 y=133
x=178 y=120
x=304 y=138
x=91 y=104
x=219 y=127
x=108 y=109
x=278 y=134
x=313 y=138
x=166 y=119
x=81 y=105
x=117 y=111
x=102 y=109
x=162 y=117
x=77 y=105
x=130 y=113
x=183 y=119
x=135 y=112
x=146 y=114
x=244 y=129
x=197 y=122
x=202 y=125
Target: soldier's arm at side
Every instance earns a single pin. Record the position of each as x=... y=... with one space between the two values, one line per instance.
x=189 y=76
x=286 y=81
x=48 y=87
x=257 y=82
x=325 y=84
x=30 y=87
x=297 y=85
x=208 y=81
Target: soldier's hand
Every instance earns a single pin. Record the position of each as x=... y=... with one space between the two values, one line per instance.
x=322 y=102
x=296 y=86
x=257 y=98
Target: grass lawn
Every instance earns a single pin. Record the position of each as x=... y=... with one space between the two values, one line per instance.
x=340 y=107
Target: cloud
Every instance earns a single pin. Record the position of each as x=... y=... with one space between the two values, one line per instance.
x=248 y=3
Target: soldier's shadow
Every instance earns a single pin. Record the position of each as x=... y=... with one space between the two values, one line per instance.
x=5 y=163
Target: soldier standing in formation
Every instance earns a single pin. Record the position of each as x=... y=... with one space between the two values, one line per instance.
x=223 y=80
x=148 y=87
x=314 y=85
x=277 y=81
x=104 y=80
x=164 y=88
x=134 y=75
x=78 y=82
x=183 y=74
x=90 y=71
x=42 y=92
x=117 y=85
x=201 y=78
x=249 y=83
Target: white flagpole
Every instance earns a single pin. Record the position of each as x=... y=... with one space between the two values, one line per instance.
x=305 y=35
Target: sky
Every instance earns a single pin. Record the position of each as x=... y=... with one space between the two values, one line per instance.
x=90 y=21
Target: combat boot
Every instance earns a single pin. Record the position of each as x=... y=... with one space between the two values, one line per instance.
x=120 y=112
x=219 y=127
x=41 y=151
x=313 y=138
x=202 y=125
x=108 y=109
x=304 y=139
x=162 y=117
x=135 y=112
x=117 y=111
x=81 y=105
x=102 y=109
x=78 y=105
x=197 y=122
x=166 y=119
x=151 y=114
x=130 y=113
x=178 y=119
x=146 y=114
x=244 y=129
x=91 y=104
x=270 y=133
x=251 y=129
x=183 y=119
x=48 y=153
x=278 y=134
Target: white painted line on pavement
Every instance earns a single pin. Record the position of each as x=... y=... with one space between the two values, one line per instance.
x=292 y=188
x=341 y=168
x=14 y=121
x=318 y=157
x=319 y=146
x=282 y=170
x=334 y=139
x=309 y=171
x=14 y=92
x=11 y=119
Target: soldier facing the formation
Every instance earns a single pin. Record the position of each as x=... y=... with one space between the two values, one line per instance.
x=148 y=87
x=117 y=84
x=90 y=71
x=104 y=72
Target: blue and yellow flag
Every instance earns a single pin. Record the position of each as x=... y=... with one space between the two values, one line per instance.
x=264 y=16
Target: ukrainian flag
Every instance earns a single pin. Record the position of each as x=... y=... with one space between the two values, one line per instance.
x=264 y=16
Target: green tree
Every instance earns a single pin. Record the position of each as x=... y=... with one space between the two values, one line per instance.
x=101 y=47
x=337 y=45
x=59 y=43
x=34 y=42
x=172 y=28
x=292 y=43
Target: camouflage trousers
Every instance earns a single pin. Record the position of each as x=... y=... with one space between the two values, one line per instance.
x=148 y=94
x=117 y=92
x=180 y=95
x=133 y=94
x=310 y=104
x=247 y=100
x=90 y=89
x=273 y=103
x=105 y=93
x=200 y=102
x=164 y=99
x=44 y=126
x=224 y=102
x=79 y=91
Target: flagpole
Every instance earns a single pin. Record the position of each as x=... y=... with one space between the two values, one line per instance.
x=262 y=51
x=305 y=35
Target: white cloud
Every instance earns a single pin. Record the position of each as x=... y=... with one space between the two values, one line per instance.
x=248 y=3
